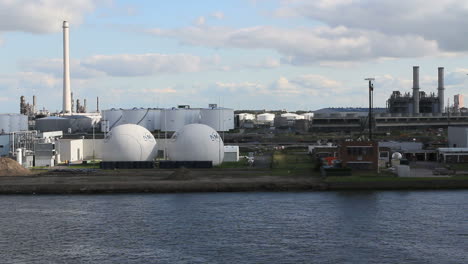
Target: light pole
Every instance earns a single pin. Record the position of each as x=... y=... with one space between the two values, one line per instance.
x=371 y=90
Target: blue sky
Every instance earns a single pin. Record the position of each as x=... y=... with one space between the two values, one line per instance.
x=243 y=54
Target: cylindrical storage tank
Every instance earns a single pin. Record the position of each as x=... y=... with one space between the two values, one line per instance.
x=111 y=117
x=192 y=116
x=136 y=116
x=5 y=123
x=266 y=118
x=220 y=119
x=308 y=116
x=129 y=142
x=14 y=123
x=155 y=115
x=172 y=119
x=24 y=125
x=196 y=142
x=246 y=116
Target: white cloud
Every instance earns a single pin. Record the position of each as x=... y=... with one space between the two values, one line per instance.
x=307 y=45
x=218 y=15
x=443 y=21
x=200 y=21
x=43 y=16
x=55 y=67
x=144 y=64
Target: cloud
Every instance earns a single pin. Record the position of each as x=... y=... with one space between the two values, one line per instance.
x=218 y=15
x=55 y=67
x=200 y=21
x=442 y=21
x=146 y=64
x=301 y=46
x=43 y=16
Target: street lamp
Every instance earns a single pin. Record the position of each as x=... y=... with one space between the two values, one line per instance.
x=371 y=90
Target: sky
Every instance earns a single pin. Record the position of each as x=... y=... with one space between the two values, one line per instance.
x=241 y=54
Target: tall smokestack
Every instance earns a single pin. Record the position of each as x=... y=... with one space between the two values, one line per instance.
x=34 y=105
x=416 y=89
x=67 y=107
x=97 y=104
x=85 y=107
x=440 y=89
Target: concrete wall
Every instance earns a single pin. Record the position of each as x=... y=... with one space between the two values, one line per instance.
x=458 y=137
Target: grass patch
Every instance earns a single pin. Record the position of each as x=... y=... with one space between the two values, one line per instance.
x=288 y=163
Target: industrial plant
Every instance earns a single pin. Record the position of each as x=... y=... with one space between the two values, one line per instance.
x=184 y=136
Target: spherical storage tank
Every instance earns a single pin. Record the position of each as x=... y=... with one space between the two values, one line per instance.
x=129 y=142
x=196 y=142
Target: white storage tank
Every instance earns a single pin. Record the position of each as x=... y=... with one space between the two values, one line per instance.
x=155 y=119
x=220 y=119
x=308 y=116
x=138 y=116
x=292 y=116
x=266 y=118
x=4 y=123
x=13 y=123
x=172 y=119
x=129 y=142
x=196 y=142
x=192 y=116
x=111 y=118
x=246 y=116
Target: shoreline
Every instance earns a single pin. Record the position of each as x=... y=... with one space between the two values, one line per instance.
x=185 y=181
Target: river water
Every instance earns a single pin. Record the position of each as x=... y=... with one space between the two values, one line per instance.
x=306 y=227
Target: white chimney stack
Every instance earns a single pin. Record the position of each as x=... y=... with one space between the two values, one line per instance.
x=67 y=108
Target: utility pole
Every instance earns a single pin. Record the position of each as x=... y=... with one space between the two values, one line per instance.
x=371 y=91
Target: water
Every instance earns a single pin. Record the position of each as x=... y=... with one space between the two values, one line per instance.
x=314 y=227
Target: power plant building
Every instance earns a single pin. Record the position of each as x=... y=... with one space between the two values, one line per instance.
x=419 y=101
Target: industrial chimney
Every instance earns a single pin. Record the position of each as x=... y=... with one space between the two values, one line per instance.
x=440 y=89
x=67 y=108
x=416 y=89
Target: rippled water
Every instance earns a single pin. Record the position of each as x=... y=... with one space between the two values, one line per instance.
x=314 y=227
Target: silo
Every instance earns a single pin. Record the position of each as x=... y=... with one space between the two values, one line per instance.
x=220 y=119
x=172 y=119
x=5 y=123
x=111 y=118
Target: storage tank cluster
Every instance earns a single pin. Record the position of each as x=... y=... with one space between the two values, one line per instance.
x=173 y=119
x=13 y=123
x=193 y=142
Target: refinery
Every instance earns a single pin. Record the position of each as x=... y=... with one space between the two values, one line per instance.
x=188 y=137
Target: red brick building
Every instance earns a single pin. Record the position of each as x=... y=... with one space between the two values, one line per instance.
x=359 y=155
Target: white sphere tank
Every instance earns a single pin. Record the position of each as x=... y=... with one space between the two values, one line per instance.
x=129 y=142
x=397 y=156
x=196 y=142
